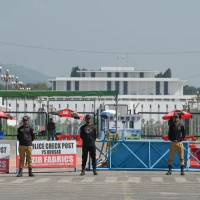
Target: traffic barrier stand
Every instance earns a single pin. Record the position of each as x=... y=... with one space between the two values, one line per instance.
x=187 y=138
x=194 y=150
x=194 y=161
x=165 y=137
x=78 y=139
x=190 y=138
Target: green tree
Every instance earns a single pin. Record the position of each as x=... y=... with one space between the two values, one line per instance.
x=167 y=73
x=38 y=86
x=190 y=90
x=74 y=72
x=159 y=75
x=3 y=87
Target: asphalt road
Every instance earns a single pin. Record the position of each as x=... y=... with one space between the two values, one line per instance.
x=122 y=185
x=117 y=185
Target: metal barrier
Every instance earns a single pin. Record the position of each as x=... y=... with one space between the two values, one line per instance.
x=143 y=155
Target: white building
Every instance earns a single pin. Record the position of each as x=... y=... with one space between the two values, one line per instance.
x=126 y=80
x=134 y=87
x=139 y=91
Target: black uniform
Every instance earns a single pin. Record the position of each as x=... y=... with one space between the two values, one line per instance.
x=176 y=133
x=51 y=130
x=25 y=135
x=88 y=134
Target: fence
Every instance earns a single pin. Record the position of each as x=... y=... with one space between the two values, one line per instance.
x=153 y=126
x=37 y=120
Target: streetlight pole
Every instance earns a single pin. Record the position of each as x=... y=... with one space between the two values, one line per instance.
x=17 y=84
x=7 y=78
x=186 y=107
x=198 y=98
x=40 y=100
x=24 y=87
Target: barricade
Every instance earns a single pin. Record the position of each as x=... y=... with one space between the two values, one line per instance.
x=165 y=137
x=143 y=155
x=194 y=161
x=137 y=155
x=78 y=139
x=194 y=151
x=190 y=138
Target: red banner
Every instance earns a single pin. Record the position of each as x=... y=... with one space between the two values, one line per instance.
x=4 y=165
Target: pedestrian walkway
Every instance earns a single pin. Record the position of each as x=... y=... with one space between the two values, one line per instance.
x=114 y=185
x=44 y=178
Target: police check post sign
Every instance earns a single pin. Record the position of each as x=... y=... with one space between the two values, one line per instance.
x=4 y=157
x=52 y=154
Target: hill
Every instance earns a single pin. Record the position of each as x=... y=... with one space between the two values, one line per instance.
x=25 y=74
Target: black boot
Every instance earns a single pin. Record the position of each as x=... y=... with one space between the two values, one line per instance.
x=182 y=170
x=95 y=172
x=20 y=173
x=83 y=172
x=170 y=170
x=30 y=172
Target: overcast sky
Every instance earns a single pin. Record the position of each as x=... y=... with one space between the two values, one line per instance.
x=52 y=36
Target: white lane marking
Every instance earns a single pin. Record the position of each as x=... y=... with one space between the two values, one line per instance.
x=1 y=180
x=65 y=180
x=42 y=180
x=180 y=179
x=198 y=179
x=88 y=179
x=134 y=179
x=110 y=179
x=156 y=179
x=19 y=180
x=169 y=193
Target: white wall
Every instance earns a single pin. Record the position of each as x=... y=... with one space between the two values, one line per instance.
x=60 y=85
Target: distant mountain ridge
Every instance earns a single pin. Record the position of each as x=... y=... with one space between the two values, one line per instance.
x=25 y=74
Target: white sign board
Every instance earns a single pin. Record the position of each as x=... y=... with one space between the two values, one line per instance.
x=52 y=154
x=4 y=157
